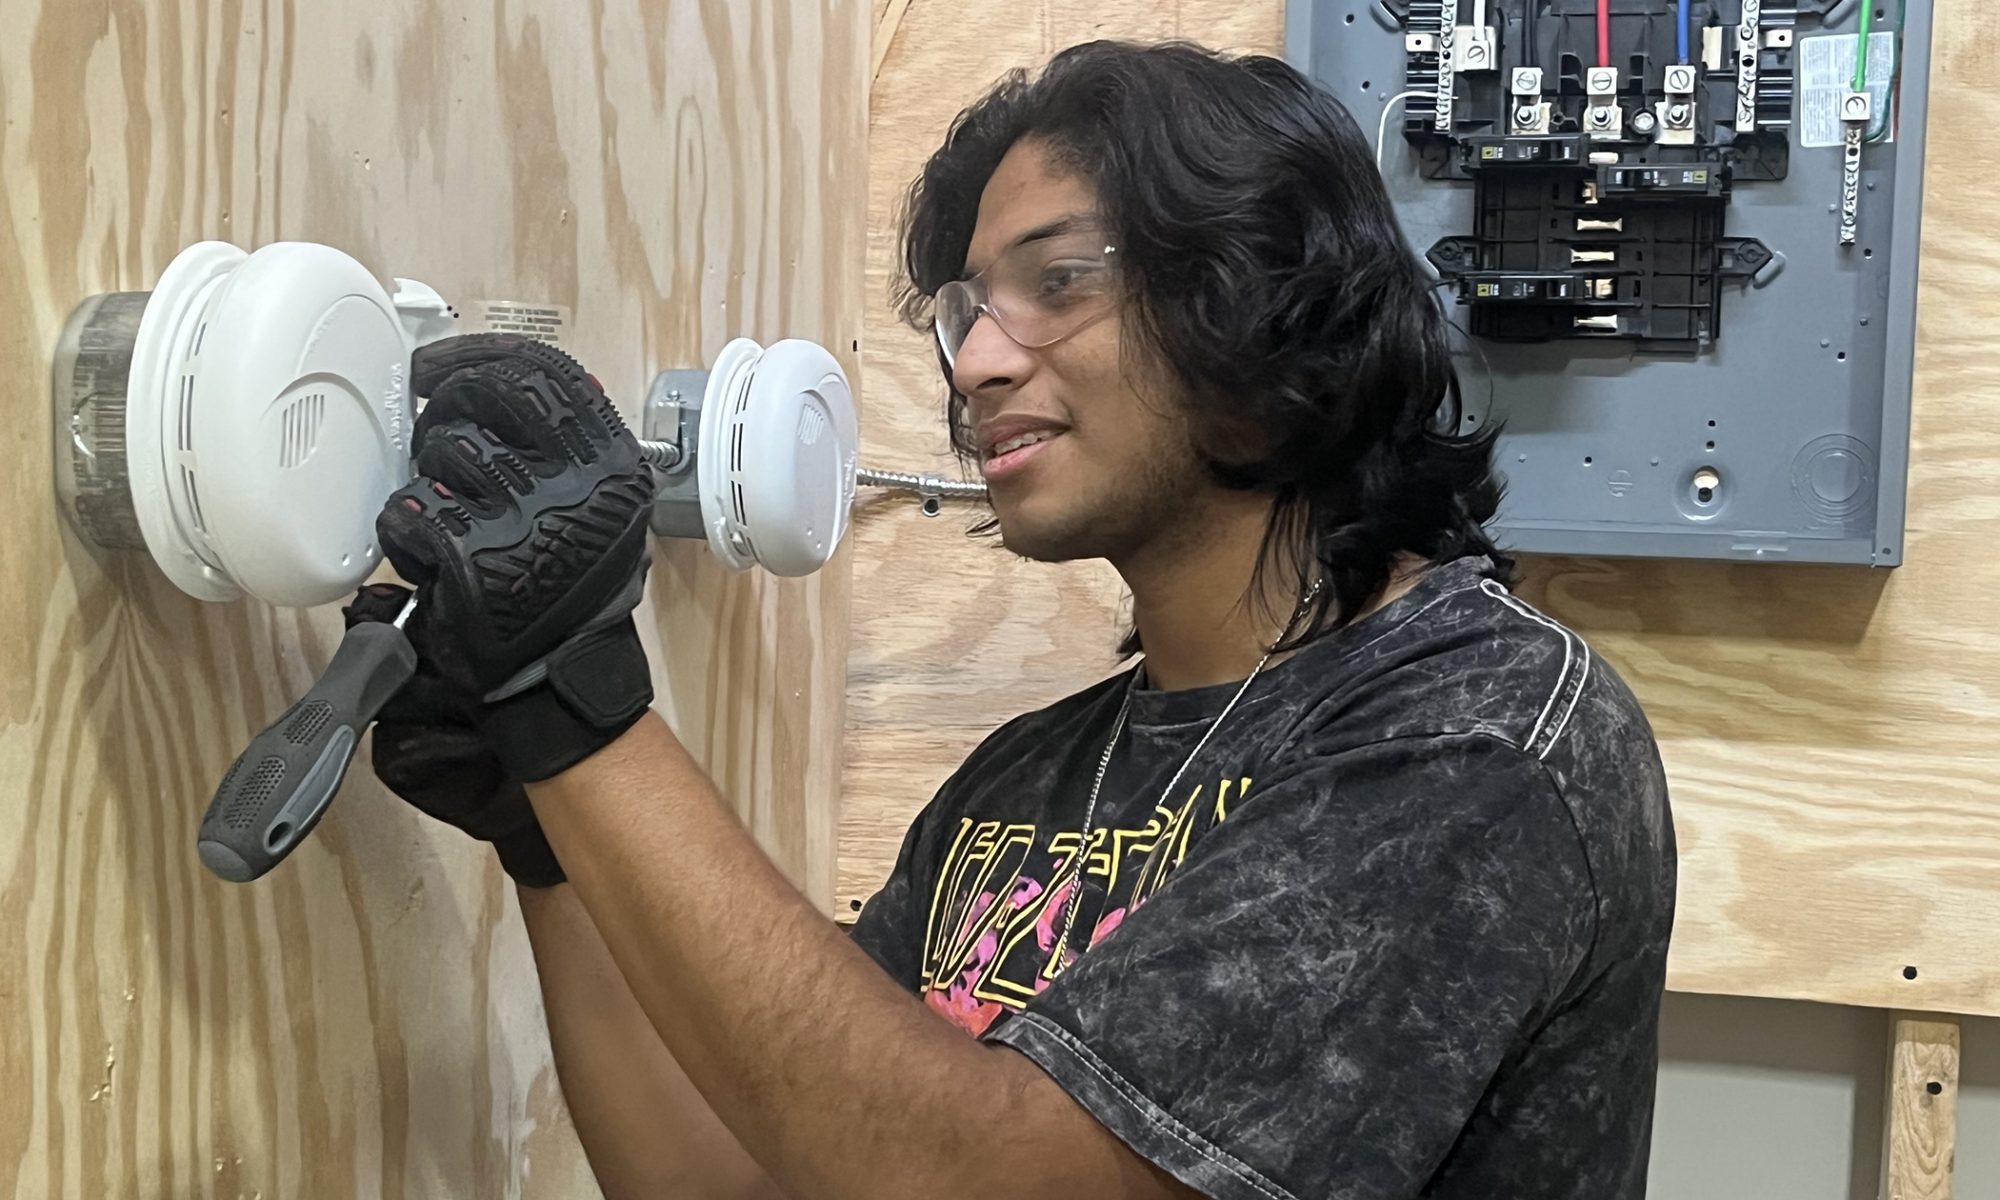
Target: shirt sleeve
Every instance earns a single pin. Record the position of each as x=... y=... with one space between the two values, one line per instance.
x=890 y=926
x=1315 y=1001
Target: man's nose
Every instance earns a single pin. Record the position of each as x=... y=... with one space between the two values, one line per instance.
x=988 y=362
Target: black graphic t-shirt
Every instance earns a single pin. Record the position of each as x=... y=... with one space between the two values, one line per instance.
x=1399 y=931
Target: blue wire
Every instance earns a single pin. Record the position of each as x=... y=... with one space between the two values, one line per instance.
x=1681 y=29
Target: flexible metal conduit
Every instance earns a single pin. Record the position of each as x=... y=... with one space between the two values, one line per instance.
x=665 y=456
x=922 y=485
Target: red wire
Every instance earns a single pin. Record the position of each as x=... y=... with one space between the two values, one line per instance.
x=1603 y=33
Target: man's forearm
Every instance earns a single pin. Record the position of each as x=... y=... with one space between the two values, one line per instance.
x=839 y=1082
x=646 y=1130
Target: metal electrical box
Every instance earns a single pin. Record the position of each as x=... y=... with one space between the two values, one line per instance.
x=1678 y=242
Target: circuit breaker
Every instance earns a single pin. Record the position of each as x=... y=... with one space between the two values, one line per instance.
x=1677 y=240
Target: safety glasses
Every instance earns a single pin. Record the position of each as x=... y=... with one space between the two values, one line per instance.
x=1038 y=293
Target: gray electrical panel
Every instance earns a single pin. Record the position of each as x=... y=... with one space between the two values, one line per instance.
x=1679 y=249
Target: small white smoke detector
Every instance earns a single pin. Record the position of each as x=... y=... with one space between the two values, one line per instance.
x=776 y=457
x=267 y=420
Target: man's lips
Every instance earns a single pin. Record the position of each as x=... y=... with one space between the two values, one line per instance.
x=1007 y=427
x=1000 y=467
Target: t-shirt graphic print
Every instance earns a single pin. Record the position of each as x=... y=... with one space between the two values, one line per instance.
x=1003 y=894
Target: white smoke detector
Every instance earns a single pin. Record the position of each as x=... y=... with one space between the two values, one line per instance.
x=776 y=456
x=265 y=419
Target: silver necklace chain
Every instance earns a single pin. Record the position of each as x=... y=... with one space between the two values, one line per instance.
x=1104 y=764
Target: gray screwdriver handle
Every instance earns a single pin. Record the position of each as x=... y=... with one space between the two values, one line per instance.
x=279 y=787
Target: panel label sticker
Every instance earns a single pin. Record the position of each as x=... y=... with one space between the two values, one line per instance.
x=1826 y=72
x=543 y=322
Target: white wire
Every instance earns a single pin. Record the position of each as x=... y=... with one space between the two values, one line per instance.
x=1382 y=127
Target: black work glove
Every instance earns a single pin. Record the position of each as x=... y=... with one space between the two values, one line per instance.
x=429 y=752
x=525 y=534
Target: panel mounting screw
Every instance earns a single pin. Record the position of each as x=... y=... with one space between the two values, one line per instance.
x=1642 y=122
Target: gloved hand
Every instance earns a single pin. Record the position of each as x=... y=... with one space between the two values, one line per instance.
x=525 y=535
x=429 y=752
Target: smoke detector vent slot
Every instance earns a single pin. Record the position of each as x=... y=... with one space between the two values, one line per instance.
x=193 y=498
x=199 y=334
x=300 y=429
x=738 y=415
x=187 y=412
x=812 y=423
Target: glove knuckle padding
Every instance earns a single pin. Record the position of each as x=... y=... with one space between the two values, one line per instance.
x=540 y=579
x=538 y=398
x=433 y=363
x=481 y=470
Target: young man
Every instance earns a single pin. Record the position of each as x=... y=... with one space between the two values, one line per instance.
x=1359 y=884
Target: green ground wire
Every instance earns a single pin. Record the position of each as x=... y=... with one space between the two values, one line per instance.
x=1861 y=46
x=1880 y=125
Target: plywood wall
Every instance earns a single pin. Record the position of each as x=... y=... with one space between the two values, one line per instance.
x=1832 y=735
x=364 y=1022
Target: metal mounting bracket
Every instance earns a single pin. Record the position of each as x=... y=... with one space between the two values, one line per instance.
x=671 y=420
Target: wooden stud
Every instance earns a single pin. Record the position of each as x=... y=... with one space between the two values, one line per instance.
x=1920 y=1113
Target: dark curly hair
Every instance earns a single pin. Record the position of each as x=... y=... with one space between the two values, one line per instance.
x=1264 y=268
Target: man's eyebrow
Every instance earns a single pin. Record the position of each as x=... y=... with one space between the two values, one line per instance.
x=1048 y=229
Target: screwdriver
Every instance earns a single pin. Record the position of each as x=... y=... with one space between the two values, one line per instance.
x=280 y=785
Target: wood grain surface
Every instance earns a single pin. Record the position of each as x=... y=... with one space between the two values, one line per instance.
x=1920 y=1112
x=364 y=1021
x=1832 y=734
